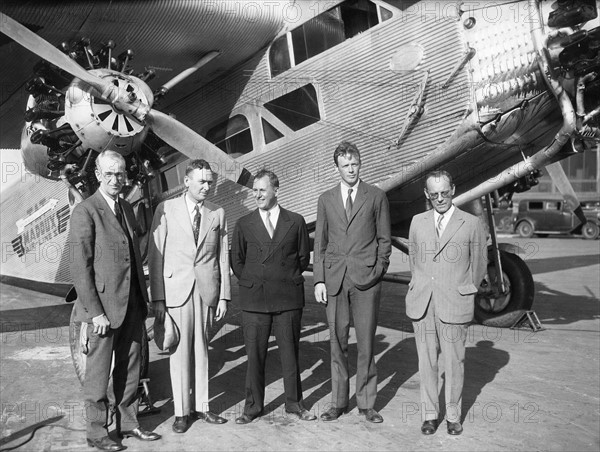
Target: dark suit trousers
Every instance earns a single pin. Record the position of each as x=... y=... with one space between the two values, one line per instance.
x=257 y=329
x=365 y=309
x=126 y=343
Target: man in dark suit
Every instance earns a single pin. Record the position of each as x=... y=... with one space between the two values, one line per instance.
x=106 y=268
x=270 y=250
x=352 y=252
x=448 y=258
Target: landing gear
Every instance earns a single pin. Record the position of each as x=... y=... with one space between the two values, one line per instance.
x=502 y=309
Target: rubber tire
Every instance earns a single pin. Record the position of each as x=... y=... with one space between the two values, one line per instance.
x=525 y=229
x=79 y=358
x=590 y=231
x=521 y=296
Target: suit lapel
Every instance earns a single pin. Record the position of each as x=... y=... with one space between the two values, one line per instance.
x=107 y=212
x=338 y=203
x=183 y=216
x=281 y=229
x=258 y=228
x=454 y=224
x=206 y=224
x=361 y=197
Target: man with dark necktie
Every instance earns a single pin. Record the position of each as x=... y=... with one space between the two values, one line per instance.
x=106 y=268
x=188 y=260
x=352 y=253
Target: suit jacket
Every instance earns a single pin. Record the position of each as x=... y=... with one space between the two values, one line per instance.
x=448 y=270
x=361 y=247
x=176 y=263
x=100 y=262
x=270 y=270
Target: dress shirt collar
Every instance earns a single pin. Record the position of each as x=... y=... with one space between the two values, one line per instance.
x=345 y=189
x=447 y=216
x=111 y=202
x=274 y=211
x=191 y=205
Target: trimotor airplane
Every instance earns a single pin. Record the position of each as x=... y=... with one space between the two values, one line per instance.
x=490 y=91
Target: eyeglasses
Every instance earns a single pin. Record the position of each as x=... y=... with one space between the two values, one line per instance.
x=109 y=176
x=443 y=194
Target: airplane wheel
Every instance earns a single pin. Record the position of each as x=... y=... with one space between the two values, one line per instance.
x=79 y=357
x=504 y=310
x=590 y=231
x=525 y=229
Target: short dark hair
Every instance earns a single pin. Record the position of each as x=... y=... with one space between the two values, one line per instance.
x=273 y=179
x=345 y=148
x=438 y=174
x=197 y=164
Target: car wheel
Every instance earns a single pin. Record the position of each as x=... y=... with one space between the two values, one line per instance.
x=525 y=229
x=504 y=309
x=79 y=357
x=590 y=231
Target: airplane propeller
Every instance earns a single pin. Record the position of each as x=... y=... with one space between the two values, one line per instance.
x=171 y=131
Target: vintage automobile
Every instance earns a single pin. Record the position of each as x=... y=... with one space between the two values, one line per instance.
x=550 y=214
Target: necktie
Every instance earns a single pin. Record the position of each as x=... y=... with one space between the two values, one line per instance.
x=120 y=217
x=270 y=228
x=196 y=225
x=349 y=204
x=440 y=226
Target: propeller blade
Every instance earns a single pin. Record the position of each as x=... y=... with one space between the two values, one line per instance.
x=188 y=142
x=560 y=179
x=189 y=71
x=48 y=52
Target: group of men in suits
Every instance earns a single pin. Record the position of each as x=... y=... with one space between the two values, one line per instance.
x=189 y=279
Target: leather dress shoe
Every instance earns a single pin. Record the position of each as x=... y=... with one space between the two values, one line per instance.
x=209 y=417
x=371 y=415
x=142 y=435
x=104 y=443
x=303 y=414
x=332 y=414
x=429 y=426
x=181 y=424
x=454 y=428
x=244 y=419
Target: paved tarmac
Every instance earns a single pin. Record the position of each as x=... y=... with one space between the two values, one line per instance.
x=523 y=390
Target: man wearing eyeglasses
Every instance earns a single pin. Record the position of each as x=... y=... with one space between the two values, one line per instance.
x=447 y=248
x=106 y=267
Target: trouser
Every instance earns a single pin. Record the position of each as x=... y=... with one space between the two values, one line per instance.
x=188 y=363
x=365 y=309
x=126 y=344
x=257 y=329
x=432 y=336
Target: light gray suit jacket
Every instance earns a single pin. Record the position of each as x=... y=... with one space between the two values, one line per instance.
x=176 y=263
x=446 y=270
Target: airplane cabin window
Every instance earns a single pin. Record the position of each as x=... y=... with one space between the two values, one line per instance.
x=232 y=136
x=296 y=109
x=279 y=56
x=270 y=132
x=169 y=179
x=325 y=31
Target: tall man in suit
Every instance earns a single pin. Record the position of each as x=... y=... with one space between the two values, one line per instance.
x=352 y=252
x=106 y=268
x=448 y=260
x=188 y=260
x=270 y=250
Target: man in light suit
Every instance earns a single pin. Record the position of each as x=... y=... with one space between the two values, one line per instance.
x=106 y=268
x=188 y=260
x=270 y=250
x=352 y=252
x=447 y=249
